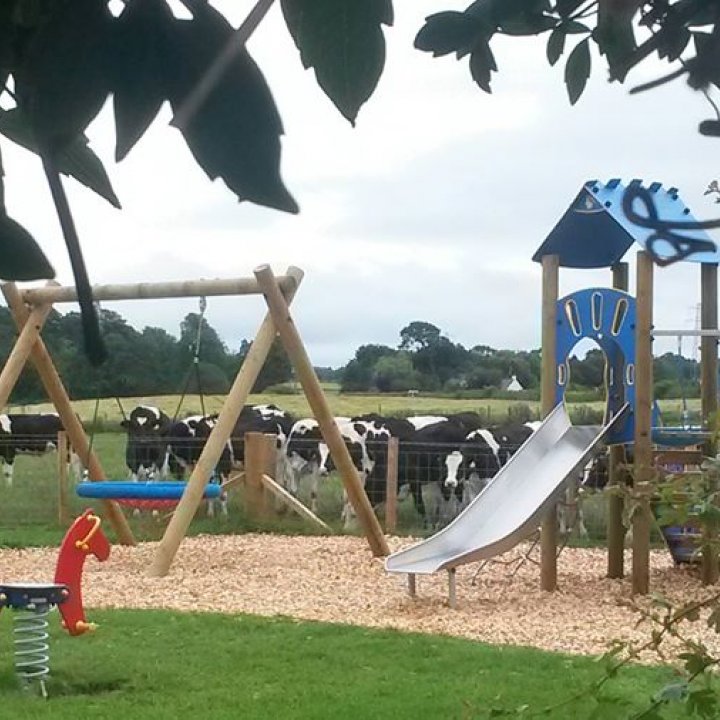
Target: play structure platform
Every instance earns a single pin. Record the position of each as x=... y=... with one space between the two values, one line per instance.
x=512 y=506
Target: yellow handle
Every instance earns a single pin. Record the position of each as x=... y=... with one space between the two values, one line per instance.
x=83 y=544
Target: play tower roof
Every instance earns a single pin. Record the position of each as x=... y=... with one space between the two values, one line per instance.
x=595 y=232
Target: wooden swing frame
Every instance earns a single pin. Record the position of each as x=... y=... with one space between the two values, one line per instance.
x=30 y=308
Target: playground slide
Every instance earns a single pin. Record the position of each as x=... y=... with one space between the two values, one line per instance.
x=512 y=505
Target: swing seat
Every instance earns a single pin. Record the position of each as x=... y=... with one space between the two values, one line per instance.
x=166 y=492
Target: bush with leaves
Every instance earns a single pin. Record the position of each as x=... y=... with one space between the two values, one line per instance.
x=682 y=499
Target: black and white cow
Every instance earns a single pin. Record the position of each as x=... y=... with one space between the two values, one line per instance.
x=444 y=459
x=185 y=440
x=510 y=437
x=267 y=419
x=430 y=461
x=469 y=421
x=366 y=438
x=30 y=434
x=306 y=453
x=190 y=434
x=372 y=433
x=184 y=443
x=145 y=451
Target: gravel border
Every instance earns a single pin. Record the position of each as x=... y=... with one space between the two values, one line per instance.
x=335 y=579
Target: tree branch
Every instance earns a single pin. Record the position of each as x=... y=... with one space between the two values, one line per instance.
x=200 y=93
x=651 y=44
x=94 y=345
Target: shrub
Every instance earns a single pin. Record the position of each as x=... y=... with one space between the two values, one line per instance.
x=586 y=415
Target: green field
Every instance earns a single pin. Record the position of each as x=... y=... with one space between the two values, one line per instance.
x=159 y=665
x=109 y=413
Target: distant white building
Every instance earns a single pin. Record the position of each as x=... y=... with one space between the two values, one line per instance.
x=511 y=384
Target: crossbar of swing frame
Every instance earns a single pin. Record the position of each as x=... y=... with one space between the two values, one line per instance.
x=686 y=333
x=155 y=290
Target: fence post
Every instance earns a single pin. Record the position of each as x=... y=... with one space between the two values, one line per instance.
x=259 y=450
x=391 y=496
x=62 y=469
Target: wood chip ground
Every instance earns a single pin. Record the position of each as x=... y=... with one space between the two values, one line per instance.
x=335 y=579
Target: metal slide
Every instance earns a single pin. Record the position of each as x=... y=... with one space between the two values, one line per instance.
x=512 y=505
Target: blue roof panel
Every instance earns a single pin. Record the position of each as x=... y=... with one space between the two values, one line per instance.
x=595 y=232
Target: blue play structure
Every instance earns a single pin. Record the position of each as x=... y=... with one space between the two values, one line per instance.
x=595 y=231
x=602 y=223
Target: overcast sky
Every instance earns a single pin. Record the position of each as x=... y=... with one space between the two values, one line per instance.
x=429 y=209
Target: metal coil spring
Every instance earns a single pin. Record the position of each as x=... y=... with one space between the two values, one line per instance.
x=30 y=636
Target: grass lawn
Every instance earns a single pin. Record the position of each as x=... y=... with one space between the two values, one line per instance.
x=157 y=665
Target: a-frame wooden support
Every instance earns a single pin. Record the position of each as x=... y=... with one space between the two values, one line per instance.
x=277 y=321
x=30 y=308
x=30 y=344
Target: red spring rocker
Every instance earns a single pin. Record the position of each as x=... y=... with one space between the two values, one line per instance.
x=85 y=537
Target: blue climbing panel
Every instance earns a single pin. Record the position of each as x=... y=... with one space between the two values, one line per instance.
x=606 y=316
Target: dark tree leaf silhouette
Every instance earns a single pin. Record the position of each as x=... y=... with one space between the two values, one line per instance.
x=235 y=133
x=342 y=40
x=138 y=67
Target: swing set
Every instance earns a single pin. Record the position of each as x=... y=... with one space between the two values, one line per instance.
x=30 y=308
x=152 y=495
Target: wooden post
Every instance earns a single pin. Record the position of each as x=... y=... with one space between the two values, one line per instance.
x=321 y=410
x=40 y=357
x=617 y=473
x=21 y=351
x=192 y=497
x=412 y=585
x=709 y=397
x=259 y=451
x=391 y=496
x=62 y=470
x=452 y=589
x=550 y=291
x=641 y=539
x=643 y=424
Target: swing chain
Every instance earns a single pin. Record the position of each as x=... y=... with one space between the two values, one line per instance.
x=195 y=362
x=198 y=337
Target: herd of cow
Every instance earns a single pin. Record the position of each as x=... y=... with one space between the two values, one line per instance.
x=446 y=458
x=443 y=461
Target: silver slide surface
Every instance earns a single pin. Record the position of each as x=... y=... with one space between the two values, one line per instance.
x=512 y=505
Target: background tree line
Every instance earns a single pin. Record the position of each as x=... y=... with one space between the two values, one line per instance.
x=427 y=360
x=140 y=363
x=152 y=362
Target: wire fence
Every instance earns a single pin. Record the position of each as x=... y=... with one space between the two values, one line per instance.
x=434 y=484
